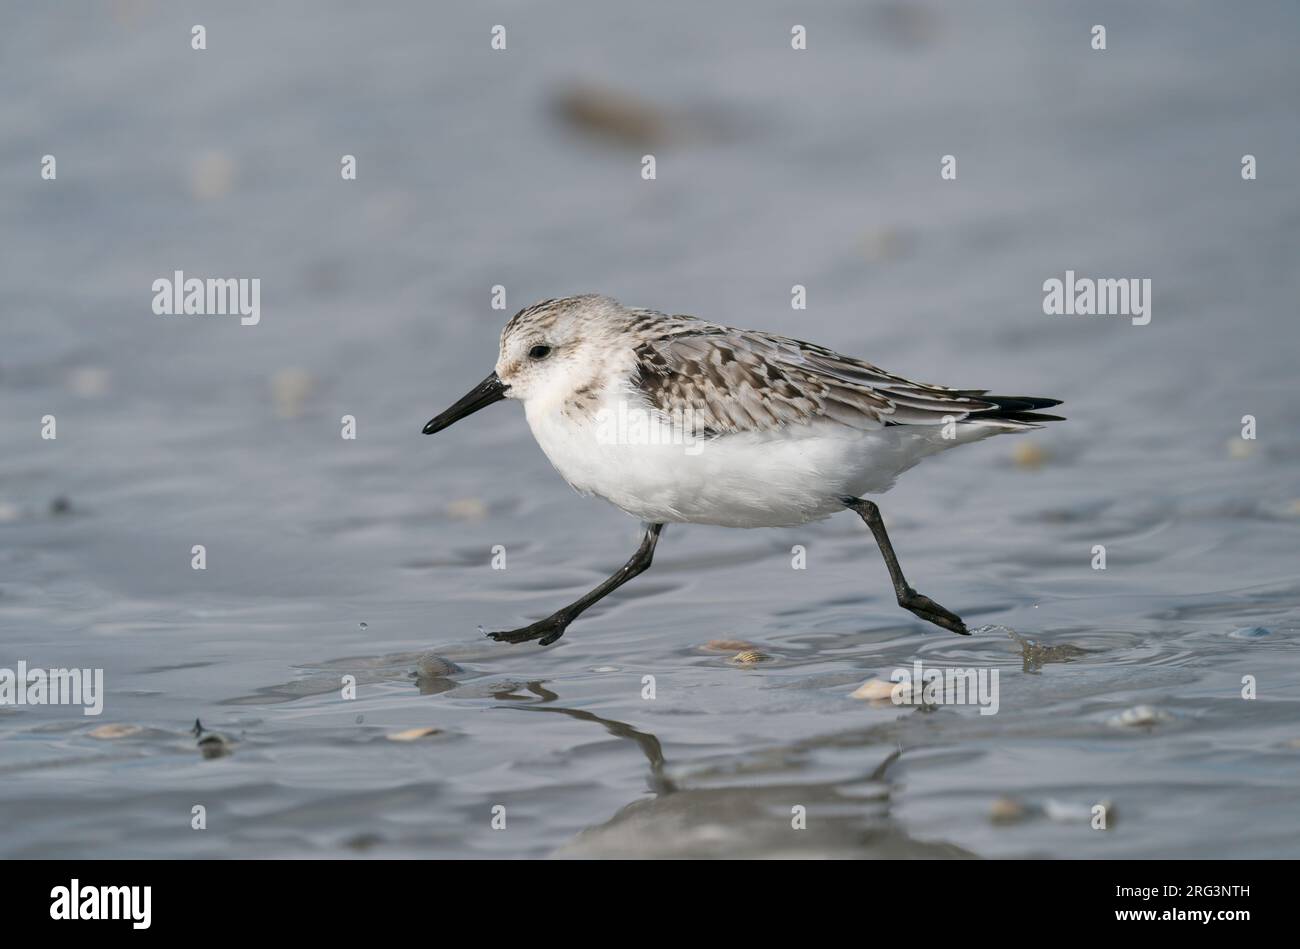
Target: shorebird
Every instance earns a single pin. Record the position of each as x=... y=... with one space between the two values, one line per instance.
x=676 y=420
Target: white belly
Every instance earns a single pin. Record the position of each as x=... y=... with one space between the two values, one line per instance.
x=761 y=479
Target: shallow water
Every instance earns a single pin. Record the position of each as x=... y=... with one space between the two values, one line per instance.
x=330 y=558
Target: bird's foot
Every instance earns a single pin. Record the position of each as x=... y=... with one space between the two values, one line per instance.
x=932 y=612
x=545 y=631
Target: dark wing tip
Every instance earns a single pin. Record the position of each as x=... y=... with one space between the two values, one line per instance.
x=1018 y=408
x=1020 y=403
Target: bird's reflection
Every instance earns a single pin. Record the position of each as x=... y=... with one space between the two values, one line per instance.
x=852 y=817
x=649 y=746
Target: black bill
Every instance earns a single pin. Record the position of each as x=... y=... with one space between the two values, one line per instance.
x=484 y=394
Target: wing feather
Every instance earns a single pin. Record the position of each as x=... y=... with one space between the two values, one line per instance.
x=729 y=380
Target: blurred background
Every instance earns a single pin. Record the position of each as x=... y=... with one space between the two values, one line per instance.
x=522 y=168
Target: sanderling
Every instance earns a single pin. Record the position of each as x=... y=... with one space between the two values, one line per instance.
x=676 y=420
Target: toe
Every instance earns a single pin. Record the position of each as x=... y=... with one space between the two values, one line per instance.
x=940 y=617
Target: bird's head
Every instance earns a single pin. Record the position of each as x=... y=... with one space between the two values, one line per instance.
x=549 y=351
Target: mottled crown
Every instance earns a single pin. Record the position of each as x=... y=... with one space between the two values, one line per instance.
x=592 y=308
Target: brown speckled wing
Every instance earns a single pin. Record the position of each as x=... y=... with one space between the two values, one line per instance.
x=728 y=380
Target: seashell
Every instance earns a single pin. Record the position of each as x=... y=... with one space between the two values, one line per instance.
x=726 y=645
x=413 y=734
x=1008 y=810
x=749 y=656
x=467 y=509
x=1029 y=455
x=115 y=730
x=1139 y=716
x=432 y=666
x=875 y=690
x=612 y=115
x=290 y=389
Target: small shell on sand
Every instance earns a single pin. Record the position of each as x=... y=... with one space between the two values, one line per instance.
x=1008 y=810
x=874 y=690
x=611 y=115
x=749 y=656
x=413 y=734
x=115 y=730
x=1139 y=716
x=432 y=666
x=727 y=645
x=467 y=509
x=1240 y=447
x=290 y=389
x=1027 y=454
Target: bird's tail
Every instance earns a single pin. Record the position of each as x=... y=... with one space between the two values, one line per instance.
x=1017 y=410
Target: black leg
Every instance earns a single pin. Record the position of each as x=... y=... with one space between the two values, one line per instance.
x=548 y=630
x=908 y=598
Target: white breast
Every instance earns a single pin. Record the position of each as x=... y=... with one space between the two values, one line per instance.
x=757 y=479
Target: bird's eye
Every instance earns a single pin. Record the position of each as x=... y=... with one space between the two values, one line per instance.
x=539 y=352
